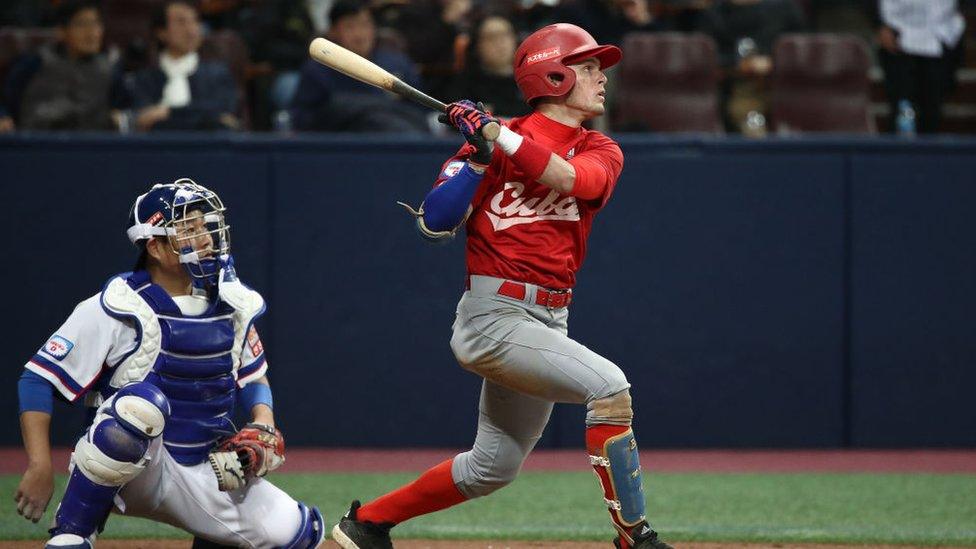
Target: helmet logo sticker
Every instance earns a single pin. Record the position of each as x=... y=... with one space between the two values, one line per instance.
x=542 y=55
x=155 y=219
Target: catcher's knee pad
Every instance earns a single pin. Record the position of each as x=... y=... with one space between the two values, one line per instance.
x=618 y=467
x=311 y=530
x=141 y=407
x=113 y=450
x=613 y=410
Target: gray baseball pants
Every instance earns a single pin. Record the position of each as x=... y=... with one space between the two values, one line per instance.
x=528 y=362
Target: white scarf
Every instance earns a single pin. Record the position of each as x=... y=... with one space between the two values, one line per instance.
x=176 y=93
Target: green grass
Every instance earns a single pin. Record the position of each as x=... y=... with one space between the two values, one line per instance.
x=914 y=509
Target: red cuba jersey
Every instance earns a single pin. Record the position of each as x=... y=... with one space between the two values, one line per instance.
x=524 y=231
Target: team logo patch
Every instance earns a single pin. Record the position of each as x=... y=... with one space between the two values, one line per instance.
x=453 y=169
x=542 y=55
x=58 y=347
x=254 y=340
x=155 y=219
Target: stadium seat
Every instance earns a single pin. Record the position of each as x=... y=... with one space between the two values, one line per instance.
x=820 y=84
x=667 y=82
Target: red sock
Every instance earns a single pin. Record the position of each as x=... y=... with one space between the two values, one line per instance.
x=596 y=437
x=432 y=491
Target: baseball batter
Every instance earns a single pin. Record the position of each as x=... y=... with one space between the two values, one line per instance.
x=164 y=354
x=528 y=201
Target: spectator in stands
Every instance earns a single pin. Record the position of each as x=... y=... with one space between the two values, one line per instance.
x=609 y=20
x=430 y=29
x=183 y=92
x=920 y=48
x=488 y=68
x=277 y=33
x=329 y=101
x=745 y=31
x=69 y=85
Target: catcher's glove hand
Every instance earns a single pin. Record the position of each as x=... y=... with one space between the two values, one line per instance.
x=252 y=452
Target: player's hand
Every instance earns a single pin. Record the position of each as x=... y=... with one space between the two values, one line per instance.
x=253 y=452
x=467 y=117
x=470 y=119
x=34 y=492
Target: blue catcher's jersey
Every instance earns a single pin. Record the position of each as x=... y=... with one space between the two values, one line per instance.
x=138 y=332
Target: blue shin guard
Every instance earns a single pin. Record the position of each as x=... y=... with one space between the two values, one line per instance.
x=618 y=467
x=111 y=453
x=311 y=532
x=84 y=507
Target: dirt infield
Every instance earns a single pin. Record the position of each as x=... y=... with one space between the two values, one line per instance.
x=428 y=544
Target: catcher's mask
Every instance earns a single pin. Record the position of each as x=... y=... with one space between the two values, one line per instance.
x=191 y=216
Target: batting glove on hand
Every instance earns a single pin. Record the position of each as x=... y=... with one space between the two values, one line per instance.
x=252 y=452
x=470 y=119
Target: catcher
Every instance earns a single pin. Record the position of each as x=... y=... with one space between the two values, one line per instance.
x=164 y=354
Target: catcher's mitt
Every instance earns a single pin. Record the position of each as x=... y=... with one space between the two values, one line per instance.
x=251 y=452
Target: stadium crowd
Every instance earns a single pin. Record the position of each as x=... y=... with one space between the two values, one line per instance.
x=737 y=66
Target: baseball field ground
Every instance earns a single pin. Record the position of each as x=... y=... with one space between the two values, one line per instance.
x=806 y=499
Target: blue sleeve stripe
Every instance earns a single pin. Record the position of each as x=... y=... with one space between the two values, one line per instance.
x=57 y=372
x=35 y=393
x=253 y=394
x=446 y=205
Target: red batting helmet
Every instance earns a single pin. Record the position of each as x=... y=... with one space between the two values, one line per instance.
x=547 y=51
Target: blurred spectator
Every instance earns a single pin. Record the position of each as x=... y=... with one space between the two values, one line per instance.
x=488 y=68
x=277 y=33
x=430 y=29
x=744 y=31
x=70 y=85
x=609 y=20
x=183 y=92
x=327 y=100
x=318 y=12
x=531 y=15
x=919 y=51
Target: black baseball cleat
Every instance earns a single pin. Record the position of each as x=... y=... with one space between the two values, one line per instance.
x=644 y=538
x=353 y=534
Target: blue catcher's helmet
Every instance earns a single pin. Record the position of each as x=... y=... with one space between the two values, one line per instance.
x=192 y=217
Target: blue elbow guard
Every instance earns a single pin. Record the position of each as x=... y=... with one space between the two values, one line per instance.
x=35 y=393
x=446 y=205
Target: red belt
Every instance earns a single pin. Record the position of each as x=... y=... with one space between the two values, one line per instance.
x=552 y=299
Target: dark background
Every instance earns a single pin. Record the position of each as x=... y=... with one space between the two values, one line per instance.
x=787 y=294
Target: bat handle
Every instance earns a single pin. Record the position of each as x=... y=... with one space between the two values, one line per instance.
x=490 y=131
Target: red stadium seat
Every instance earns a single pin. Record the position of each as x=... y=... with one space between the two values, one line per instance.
x=667 y=82
x=820 y=84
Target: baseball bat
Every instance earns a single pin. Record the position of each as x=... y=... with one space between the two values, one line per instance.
x=355 y=66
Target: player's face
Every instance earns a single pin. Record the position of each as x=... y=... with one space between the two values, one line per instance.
x=192 y=235
x=589 y=93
